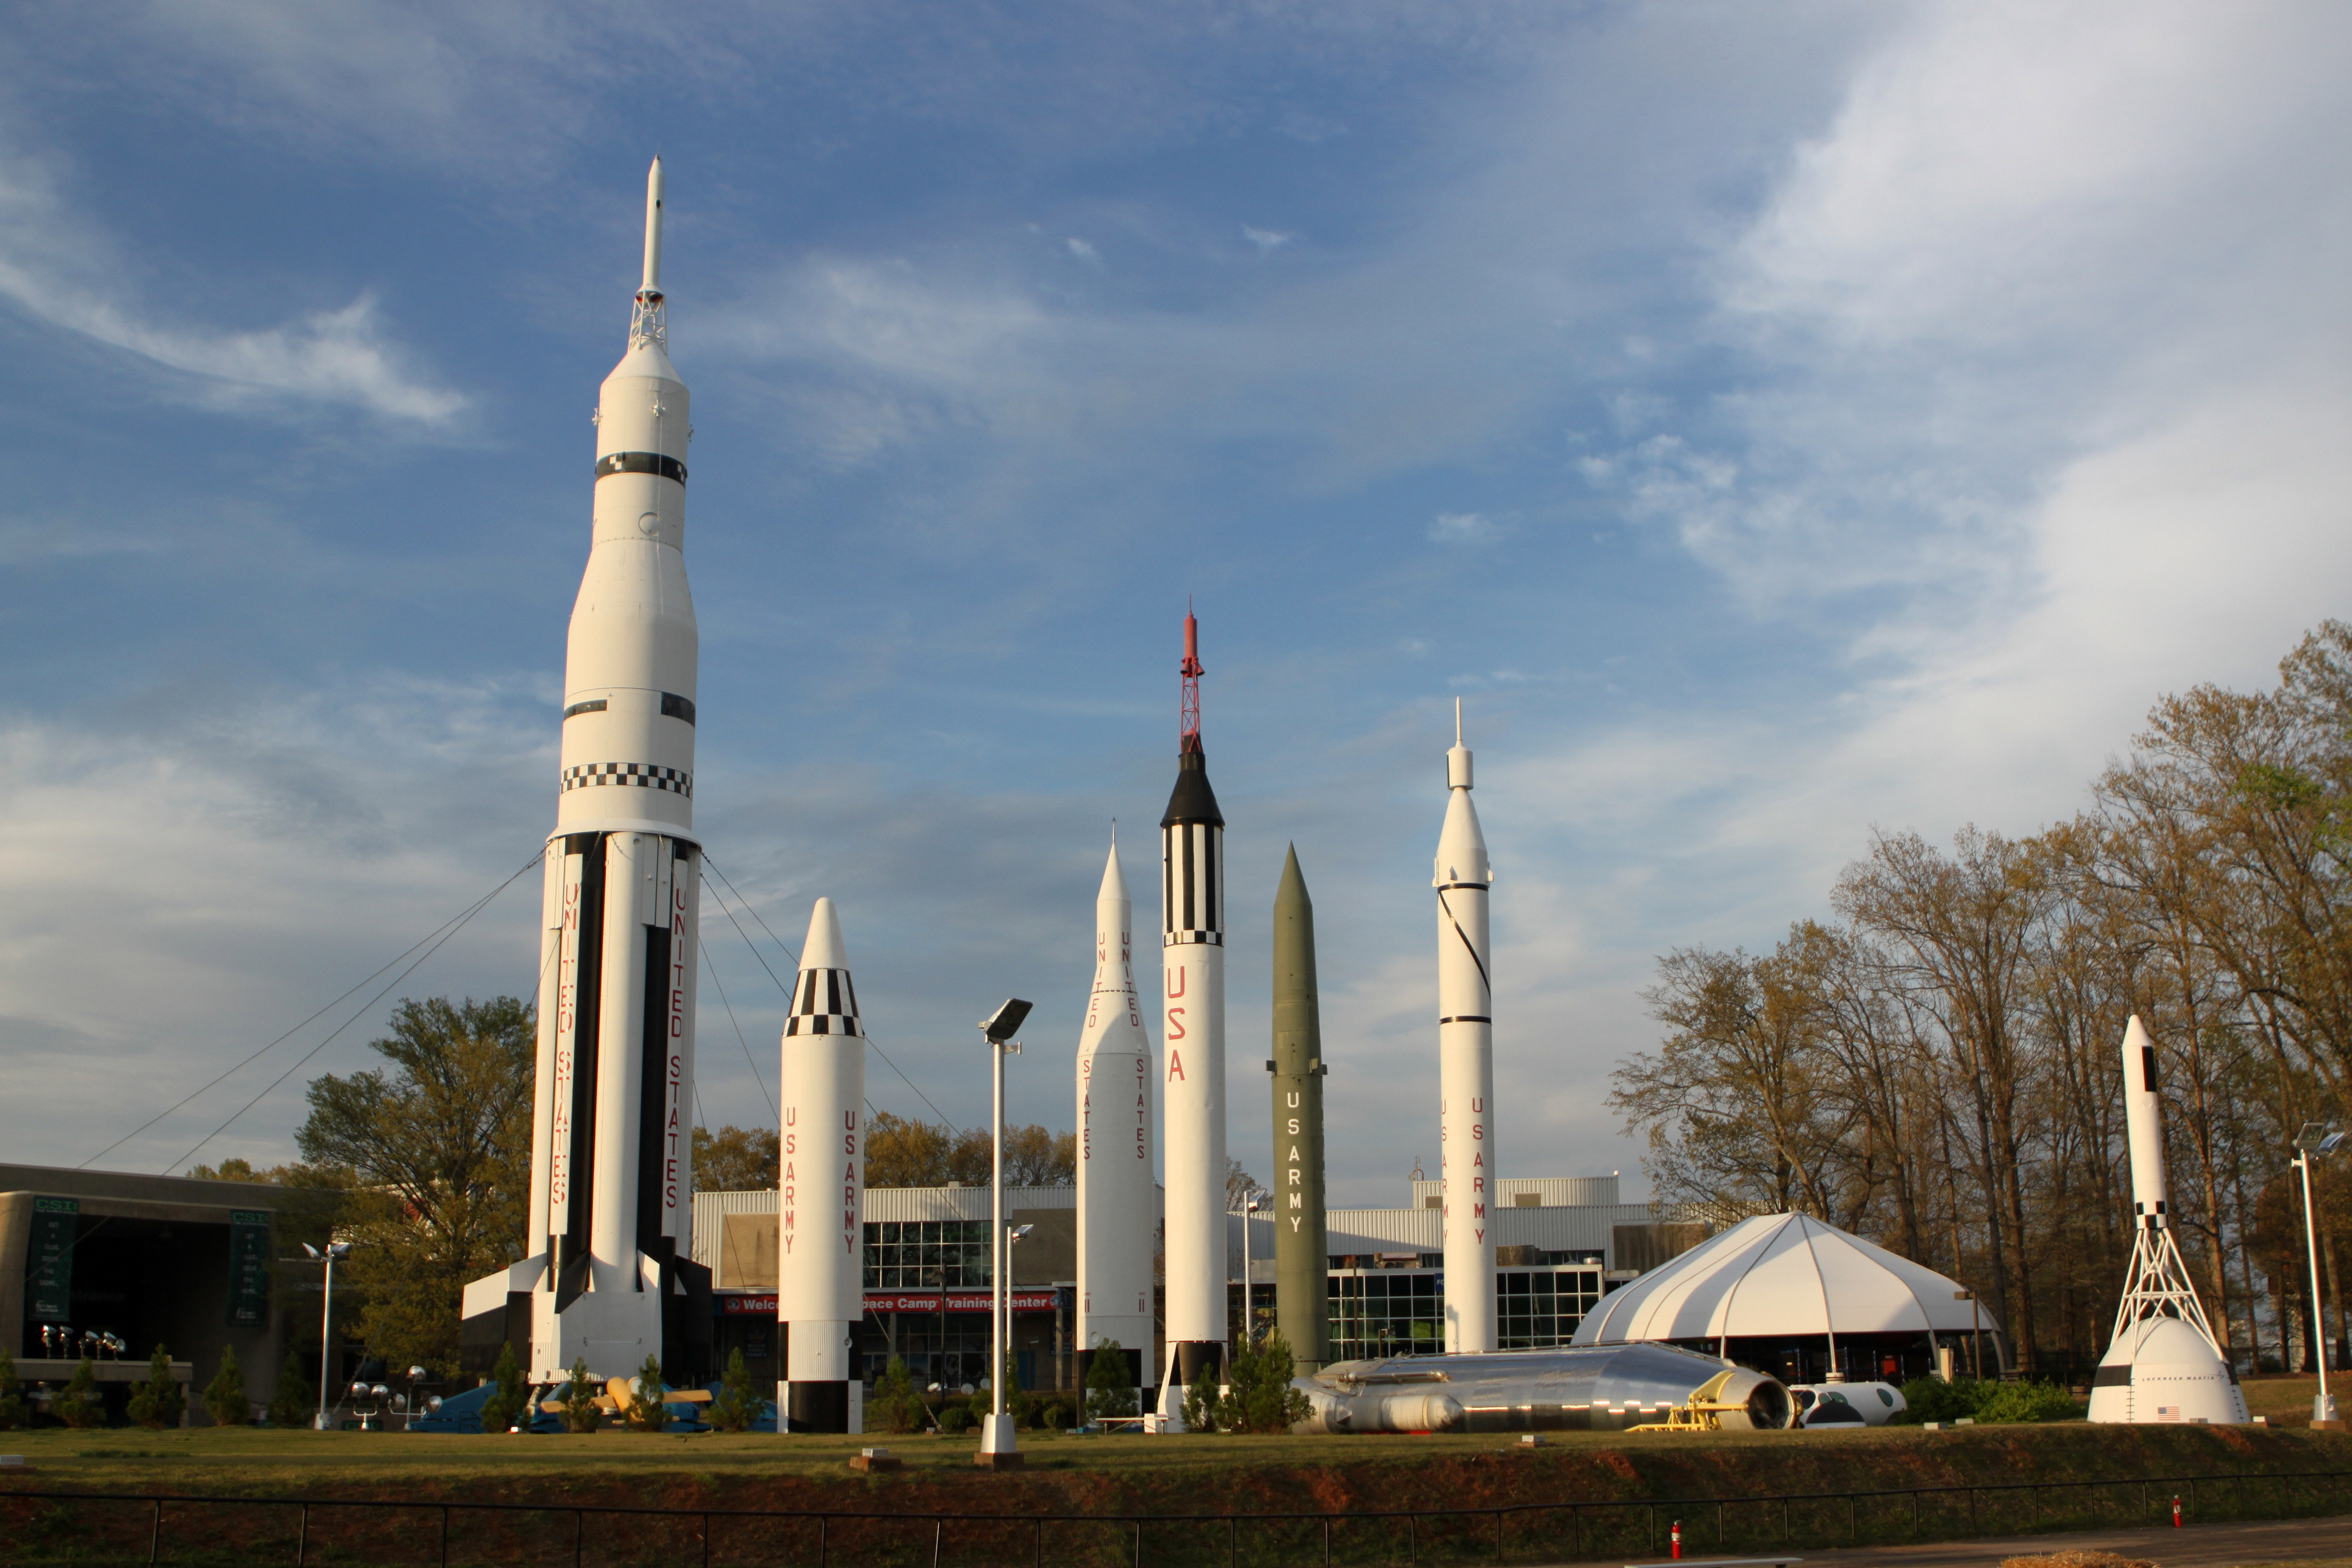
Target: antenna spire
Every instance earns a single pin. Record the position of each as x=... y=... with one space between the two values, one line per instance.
x=1188 y=728
x=649 y=324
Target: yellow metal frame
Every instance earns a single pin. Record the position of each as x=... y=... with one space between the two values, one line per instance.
x=1702 y=1412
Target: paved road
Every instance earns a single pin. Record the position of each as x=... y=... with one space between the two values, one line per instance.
x=2197 y=1546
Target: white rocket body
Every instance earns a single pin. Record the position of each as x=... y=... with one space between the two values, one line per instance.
x=1465 y=1062
x=2165 y=1364
x=1117 y=1200
x=1192 y=1082
x=611 y=1279
x=821 y=1251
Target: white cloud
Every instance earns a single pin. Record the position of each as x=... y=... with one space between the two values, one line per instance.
x=1082 y=250
x=1460 y=527
x=1267 y=240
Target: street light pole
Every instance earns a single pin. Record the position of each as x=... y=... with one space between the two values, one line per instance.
x=335 y=1249
x=2316 y=1138
x=997 y=1448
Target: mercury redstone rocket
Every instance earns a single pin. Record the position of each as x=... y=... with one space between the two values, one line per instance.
x=2165 y=1363
x=1193 y=1086
x=820 y=1251
x=610 y=1278
x=1117 y=1195
x=1301 y=1245
x=1465 y=1060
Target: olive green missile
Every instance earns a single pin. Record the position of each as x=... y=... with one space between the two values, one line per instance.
x=1300 y=1242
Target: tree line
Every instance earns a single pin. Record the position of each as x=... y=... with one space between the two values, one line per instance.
x=1937 y=1066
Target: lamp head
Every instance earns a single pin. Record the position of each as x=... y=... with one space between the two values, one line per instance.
x=2319 y=1138
x=314 y=1252
x=1020 y=1231
x=1007 y=1021
x=339 y=1250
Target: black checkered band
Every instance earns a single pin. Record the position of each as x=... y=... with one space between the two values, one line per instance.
x=637 y=775
x=1193 y=939
x=641 y=463
x=821 y=1024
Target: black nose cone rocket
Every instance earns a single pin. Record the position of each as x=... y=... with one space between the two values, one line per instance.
x=1300 y=1245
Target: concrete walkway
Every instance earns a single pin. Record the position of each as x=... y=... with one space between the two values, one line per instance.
x=2195 y=1546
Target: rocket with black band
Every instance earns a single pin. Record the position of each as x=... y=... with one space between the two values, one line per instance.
x=611 y=1278
x=1466 y=1061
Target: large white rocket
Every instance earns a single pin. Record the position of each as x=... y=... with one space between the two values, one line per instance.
x=611 y=1278
x=1465 y=1060
x=2165 y=1363
x=1192 y=1084
x=1117 y=1195
x=821 y=1252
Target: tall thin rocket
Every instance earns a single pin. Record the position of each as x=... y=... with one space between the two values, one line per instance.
x=611 y=1278
x=1301 y=1244
x=1192 y=1083
x=820 y=1182
x=1117 y=1200
x=1465 y=1059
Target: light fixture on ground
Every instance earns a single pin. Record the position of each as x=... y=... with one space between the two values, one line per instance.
x=997 y=1449
x=335 y=1250
x=2316 y=1138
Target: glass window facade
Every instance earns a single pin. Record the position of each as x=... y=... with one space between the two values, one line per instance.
x=1380 y=1312
x=926 y=1255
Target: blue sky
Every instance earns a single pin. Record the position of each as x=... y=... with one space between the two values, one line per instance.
x=1772 y=421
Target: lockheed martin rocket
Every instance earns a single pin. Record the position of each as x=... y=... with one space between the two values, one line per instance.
x=2165 y=1363
x=1193 y=1086
x=1466 y=1061
x=1117 y=1197
x=611 y=1278
x=1301 y=1244
x=821 y=1181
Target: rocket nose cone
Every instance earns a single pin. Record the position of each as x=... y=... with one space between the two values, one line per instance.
x=2136 y=1038
x=824 y=949
x=1114 y=883
x=1293 y=886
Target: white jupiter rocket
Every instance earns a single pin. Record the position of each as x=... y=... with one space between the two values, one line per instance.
x=820 y=1251
x=1465 y=1060
x=2165 y=1363
x=611 y=1278
x=1192 y=1083
x=1117 y=1195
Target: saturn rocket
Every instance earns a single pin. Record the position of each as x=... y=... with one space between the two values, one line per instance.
x=1301 y=1247
x=1192 y=1084
x=1465 y=1060
x=2165 y=1363
x=611 y=1279
x=1117 y=1193
x=820 y=1182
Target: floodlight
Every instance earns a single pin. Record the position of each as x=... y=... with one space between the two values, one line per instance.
x=2319 y=1138
x=1019 y=1231
x=1007 y=1021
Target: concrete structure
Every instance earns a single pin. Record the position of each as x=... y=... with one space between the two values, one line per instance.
x=2165 y=1363
x=612 y=1172
x=1193 y=1086
x=1804 y=1300
x=1118 y=1200
x=196 y=1266
x=1301 y=1250
x=821 y=1252
x=1465 y=1058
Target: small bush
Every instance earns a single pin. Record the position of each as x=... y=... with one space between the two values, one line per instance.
x=78 y=1406
x=508 y=1402
x=738 y=1405
x=1111 y=1388
x=1056 y=1417
x=896 y=1408
x=1258 y=1396
x=224 y=1396
x=12 y=1398
x=158 y=1401
x=648 y=1411
x=2011 y=1402
x=292 y=1405
x=1202 y=1403
x=580 y=1412
x=956 y=1419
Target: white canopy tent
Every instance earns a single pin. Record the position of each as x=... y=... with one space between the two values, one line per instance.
x=1779 y=1277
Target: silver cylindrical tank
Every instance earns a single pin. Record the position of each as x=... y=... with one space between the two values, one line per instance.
x=1601 y=1388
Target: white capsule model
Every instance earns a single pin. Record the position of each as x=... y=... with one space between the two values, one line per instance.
x=1117 y=1199
x=1466 y=1061
x=821 y=1180
x=2165 y=1364
x=611 y=1278
x=1192 y=1082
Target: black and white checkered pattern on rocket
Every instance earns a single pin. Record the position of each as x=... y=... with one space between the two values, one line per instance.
x=823 y=1003
x=629 y=775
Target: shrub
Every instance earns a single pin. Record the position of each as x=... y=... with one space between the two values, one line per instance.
x=224 y=1396
x=1258 y=1395
x=1056 y=1417
x=1201 y=1407
x=158 y=1401
x=896 y=1407
x=1019 y=1402
x=291 y=1406
x=2009 y=1402
x=580 y=1412
x=12 y=1398
x=1933 y=1399
x=956 y=1419
x=77 y=1406
x=1110 y=1390
x=648 y=1410
x=738 y=1405
x=509 y=1402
